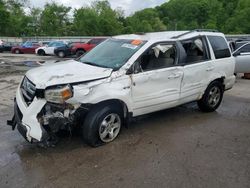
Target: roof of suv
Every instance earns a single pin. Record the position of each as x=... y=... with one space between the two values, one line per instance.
x=169 y=35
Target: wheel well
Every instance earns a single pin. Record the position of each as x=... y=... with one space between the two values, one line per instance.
x=117 y=102
x=221 y=80
x=40 y=50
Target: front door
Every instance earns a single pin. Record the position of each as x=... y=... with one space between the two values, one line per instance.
x=156 y=81
x=242 y=59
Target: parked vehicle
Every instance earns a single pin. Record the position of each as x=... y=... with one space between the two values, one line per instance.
x=123 y=77
x=49 y=49
x=28 y=47
x=44 y=43
x=81 y=48
x=242 y=58
x=1 y=48
x=5 y=48
x=66 y=50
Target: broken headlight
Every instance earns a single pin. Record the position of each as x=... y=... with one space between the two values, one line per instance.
x=59 y=95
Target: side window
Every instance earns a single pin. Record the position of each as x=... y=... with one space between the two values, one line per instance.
x=59 y=44
x=195 y=50
x=219 y=46
x=157 y=57
x=245 y=49
x=95 y=41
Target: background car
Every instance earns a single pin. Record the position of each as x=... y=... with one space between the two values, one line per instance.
x=81 y=48
x=27 y=47
x=242 y=59
x=49 y=49
x=66 y=50
x=44 y=43
x=1 y=48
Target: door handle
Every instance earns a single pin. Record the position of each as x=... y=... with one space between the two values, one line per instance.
x=210 y=68
x=173 y=76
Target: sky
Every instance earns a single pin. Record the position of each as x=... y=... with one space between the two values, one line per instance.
x=129 y=6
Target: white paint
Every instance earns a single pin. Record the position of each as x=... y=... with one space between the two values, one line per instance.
x=143 y=92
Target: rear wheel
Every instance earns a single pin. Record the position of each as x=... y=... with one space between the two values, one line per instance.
x=80 y=53
x=17 y=51
x=41 y=52
x=102 y=125
x=61 y=54
x=212 y=97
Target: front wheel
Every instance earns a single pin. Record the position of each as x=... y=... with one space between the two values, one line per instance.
x=102 y=125
x=212 y=97
x=80 y=53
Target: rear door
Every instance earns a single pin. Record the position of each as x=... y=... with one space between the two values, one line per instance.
x=242 y=58
x=197 y=68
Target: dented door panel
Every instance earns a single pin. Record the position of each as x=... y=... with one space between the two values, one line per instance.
x=195 y=80
x=156 y=90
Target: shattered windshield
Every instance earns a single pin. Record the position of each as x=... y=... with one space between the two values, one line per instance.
x=112 y=53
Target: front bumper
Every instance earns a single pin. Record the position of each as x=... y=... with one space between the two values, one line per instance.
x=25 y=118
x=17 y=121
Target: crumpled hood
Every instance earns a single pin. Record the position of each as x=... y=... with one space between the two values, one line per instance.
x=65 y=72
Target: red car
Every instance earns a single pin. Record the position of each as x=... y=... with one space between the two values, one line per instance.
x=79 y=49
x=27 y=48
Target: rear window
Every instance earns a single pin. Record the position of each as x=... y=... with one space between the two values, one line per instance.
x=219 y=46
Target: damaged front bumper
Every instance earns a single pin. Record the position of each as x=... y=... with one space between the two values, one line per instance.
x=25 y=118
x=38 y=124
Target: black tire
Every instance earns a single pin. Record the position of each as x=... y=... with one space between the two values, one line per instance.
x=17 y=51
x=80 y=53
x=212 y=97
x=41 y=52
x=61 y=54
x=93 y=124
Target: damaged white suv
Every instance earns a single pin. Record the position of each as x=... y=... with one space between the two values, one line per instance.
x=123 y=77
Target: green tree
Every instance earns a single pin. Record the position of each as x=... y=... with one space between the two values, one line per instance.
x=4 y=19
x=99 y=19
x=55 y=20
x=146 y=20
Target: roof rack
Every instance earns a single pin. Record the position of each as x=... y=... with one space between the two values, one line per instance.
x=195 y=30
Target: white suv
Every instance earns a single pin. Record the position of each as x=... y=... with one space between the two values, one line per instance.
x=123 y=77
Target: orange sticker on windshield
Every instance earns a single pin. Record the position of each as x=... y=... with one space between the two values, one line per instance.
x=136 y=42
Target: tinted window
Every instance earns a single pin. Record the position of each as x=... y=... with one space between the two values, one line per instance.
x=245 y=49
x=219 y=46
